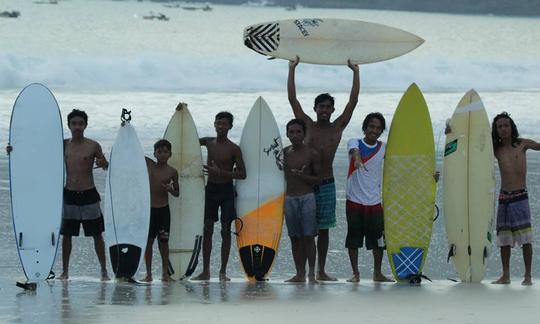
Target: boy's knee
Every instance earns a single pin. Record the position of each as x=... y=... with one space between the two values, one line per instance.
x=208 y=228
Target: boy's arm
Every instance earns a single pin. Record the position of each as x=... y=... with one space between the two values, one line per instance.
x=531 y=145
x=101 y=161
x=149 y=162
x=175 y=190
x=239 y=171
x=343 y=120
x=291 y=91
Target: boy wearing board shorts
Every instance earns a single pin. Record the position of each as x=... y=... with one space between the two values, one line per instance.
x=324 y=136
x=513 y=214
x=302 y=168
x=224 y=164
x=163 y=180
x=364 y=198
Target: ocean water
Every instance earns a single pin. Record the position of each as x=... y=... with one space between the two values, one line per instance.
x=102 y=56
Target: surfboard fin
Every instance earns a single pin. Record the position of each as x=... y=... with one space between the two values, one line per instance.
x=53 y=241
x=20 y=239
x=416 y=279
x=438 y=213
x=271 y=58
x=194 y=257
x=451 y=252
x=27 y=285
x=485 y=254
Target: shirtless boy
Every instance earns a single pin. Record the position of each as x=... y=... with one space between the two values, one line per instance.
x=224 y=164
x=163 y=180
x=302 y=168
x=513 y=215
x=324 y=136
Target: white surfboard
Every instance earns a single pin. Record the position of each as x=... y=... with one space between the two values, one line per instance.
x=469 y=188
x=329 y=41
x=261 y=195
x=127 y=203
x=36 y=173
x=187 y=211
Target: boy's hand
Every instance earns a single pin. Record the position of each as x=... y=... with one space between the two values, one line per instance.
x=168 y=186
x=436 y=176
x=212 y=169
x=101 y=162
x=181 y=105
x=352 y=66
x=293 y=64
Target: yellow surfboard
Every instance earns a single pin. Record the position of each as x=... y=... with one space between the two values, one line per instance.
x=409 y=186
x=261 y=195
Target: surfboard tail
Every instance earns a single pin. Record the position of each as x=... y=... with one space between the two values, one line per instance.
x=125 y=259
x=257 y=260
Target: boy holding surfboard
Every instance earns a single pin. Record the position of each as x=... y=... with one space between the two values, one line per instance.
x=302 y=168
x=324 y=136
x=513 y=215
x=364 y=199
x=163 y=180
x=81 y=199
x=224 y=164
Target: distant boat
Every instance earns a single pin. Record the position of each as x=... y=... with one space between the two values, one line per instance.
x=46 y=2
x=159 y=16
x=192 y=8
x=10 y=14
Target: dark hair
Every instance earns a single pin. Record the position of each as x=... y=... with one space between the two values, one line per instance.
x=495 y=135
x=323 y=97
x=77 y=113
x=297 y=122
x=375 y=115
x=162 y=143
x=225 y=114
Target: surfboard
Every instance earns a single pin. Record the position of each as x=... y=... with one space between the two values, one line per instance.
x=36 y=175
x=187 y=211
x=127 y=202
x=409 y=186
x=469 y=188
x=329 y=41
x=261 y=195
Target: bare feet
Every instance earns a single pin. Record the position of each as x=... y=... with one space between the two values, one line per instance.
x=296 y=278
x=104 y=276
x=504 y=280
x=203 y=276
x=166 y=278
x=527 y=281
x=148 y=278
x=381 y=278
x=322 y=276
x=64 y=276
x=223 y=277
x=355 y=278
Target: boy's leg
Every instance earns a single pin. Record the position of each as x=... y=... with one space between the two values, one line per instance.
x=148 y=259
x=295 y=249
x=99 y=246
x=505 y=259
x=66 y=253
x=377 y=264
x=527 y=258
x=164 y=250
x=225 y=249
x=310 y=254
x=353 y=257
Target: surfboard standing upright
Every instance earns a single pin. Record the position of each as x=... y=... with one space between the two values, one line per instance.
x=36 y=174
x=409 y=186
x=187 y=211
x=127 y=202
x=329 y=41
x=261 y=195
x=469 y=188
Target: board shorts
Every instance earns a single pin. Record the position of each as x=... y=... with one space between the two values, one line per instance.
x=301 y=215
x=219 y=196
x=325 y=195
x=160 y=223
x=364 y=221
x=514 y=219
x=82 y=207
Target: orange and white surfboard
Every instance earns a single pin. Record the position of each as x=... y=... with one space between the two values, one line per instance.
x=261 y=195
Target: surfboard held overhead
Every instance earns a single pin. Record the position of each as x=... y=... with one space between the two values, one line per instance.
x=329 y=41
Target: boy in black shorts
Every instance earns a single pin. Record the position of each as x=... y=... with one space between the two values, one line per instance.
x=163 y=180
x=224 y=164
